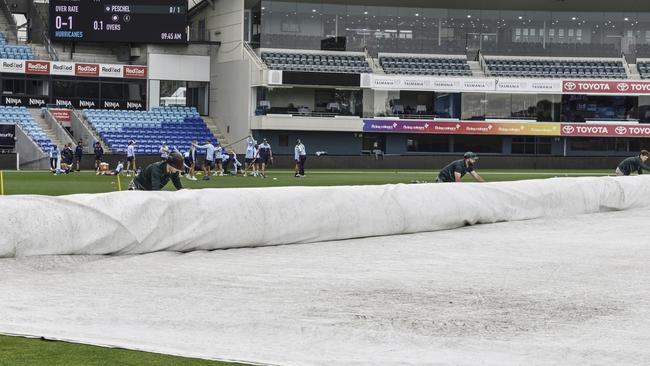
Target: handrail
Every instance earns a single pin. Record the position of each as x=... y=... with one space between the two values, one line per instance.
x=481 y=59
x=254 y=56
x=12 y=22
x=49 y=46
x=626 y=66
x=374 y=63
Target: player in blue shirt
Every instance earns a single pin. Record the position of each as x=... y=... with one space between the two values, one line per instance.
x=265 y=156
x=99 y=154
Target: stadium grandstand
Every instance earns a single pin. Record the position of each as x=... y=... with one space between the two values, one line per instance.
x=337 y=76
x=372 y=96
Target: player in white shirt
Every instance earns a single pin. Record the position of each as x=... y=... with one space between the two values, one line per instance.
x=218 y=160
x=164 y=151
x=130 y=158
x=208 y=162
x=300 y=155
x=251 y=150
x=235 y=162
x=118 y=169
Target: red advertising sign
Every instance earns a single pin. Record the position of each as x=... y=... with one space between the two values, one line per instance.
x=605 y=87
x=86 y=70
x=37 y=67
x=63 y=116
x=602 y=130
x=135 y=72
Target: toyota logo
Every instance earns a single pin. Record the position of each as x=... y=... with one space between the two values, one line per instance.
x=568 y=129
x=620 y=130
x=623 y=87
x=570 y=85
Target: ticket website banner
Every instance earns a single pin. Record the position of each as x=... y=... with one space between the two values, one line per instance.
x=507 y=128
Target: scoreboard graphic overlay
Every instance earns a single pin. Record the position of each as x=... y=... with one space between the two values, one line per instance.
x=131 y=21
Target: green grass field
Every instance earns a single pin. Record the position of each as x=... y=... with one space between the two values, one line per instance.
x=34 y=352
x=15 y=351
x=86 y=182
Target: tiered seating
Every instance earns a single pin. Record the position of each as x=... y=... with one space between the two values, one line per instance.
x=175 y=126
x=425 y=65
x=21 y=117
x=353 y=64
x=644 y=69
x=594 y=50
x=559 y=68
x=14 y=52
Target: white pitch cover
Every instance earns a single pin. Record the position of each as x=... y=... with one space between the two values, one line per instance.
x=165 y=221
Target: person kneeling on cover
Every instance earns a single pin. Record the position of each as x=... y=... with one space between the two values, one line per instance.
x=155 y=176
x=634 y=164
x=455 y=171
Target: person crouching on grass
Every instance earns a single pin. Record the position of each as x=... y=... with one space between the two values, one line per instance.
x=118 y=169
x=156 y=176
x=66 y=158
x=633 y=164
x=455 y=171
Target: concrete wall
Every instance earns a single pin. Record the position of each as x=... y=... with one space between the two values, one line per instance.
x=59 y=131
x=192 y=50
x=230 y=100
x=225 y=23
x=179 y=67
x=230 y=71
x=81 y=131
x=31 y=156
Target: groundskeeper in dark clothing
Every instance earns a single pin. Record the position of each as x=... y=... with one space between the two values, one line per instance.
x=632 y=164
x=456 y=170
x=155 y=176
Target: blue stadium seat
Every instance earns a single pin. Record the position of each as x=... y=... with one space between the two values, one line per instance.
x=556 y=68
x=425 y=65
x=21 y=117
x=176 y=126
x=329 y=62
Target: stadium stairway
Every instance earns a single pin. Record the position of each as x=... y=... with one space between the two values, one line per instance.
x=40 y=121
x=6 y=26
x=212 y=126
x=77 y=114
x=475 y=68
x=374 y=63
x=40 y=52
x=633 y=72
